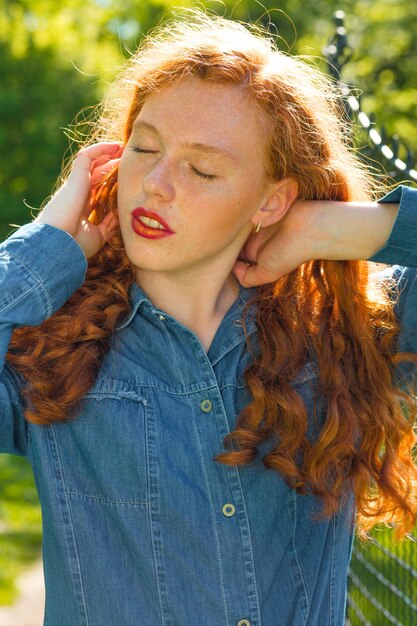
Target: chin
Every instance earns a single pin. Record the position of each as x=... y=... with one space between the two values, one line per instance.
x=156 y=256
x=144 y=254
x=152 y=262
x=148 y=265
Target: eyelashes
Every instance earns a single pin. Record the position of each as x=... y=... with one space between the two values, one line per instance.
x=201 y=174
x=193 y=169
x=135 y=149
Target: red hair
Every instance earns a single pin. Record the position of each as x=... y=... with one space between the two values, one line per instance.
x=331 y=312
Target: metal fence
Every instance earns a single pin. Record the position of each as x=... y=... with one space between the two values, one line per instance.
x=375 y=144
x=382 y=586
x=383 y=583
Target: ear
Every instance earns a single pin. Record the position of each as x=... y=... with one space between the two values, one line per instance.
x=277 y=203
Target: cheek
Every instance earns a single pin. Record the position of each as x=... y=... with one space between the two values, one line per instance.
x=126 y=177
x=121 y=184
x=215 y=222
x=126 y=195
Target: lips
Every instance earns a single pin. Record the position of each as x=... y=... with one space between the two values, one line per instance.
x=149 y=224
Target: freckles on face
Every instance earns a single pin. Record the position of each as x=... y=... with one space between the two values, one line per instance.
x=195 y=157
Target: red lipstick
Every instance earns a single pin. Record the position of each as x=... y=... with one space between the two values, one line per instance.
x=149 y=231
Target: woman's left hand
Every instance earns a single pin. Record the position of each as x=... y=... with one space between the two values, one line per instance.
x=327 y=230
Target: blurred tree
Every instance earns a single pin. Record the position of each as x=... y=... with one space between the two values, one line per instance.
x=56 y=58
x=382 y=36
x=55 y=61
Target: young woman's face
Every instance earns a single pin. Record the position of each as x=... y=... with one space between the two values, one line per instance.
x=194 y=163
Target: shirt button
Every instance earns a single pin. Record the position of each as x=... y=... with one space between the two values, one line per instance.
x=161 y=317
x=238 y=323
x=229 y=510
x=206 y=405
x=243 y=622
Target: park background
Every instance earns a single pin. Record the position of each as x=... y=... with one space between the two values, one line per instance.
x=56 y=59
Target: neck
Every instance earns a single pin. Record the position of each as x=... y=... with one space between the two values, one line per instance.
x=198 y=299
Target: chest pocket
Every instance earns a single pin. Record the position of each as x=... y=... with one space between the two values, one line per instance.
x=103 y=451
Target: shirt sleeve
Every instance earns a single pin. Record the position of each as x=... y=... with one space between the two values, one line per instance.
x=401 y=245
x=400 y=251
x=40 y=268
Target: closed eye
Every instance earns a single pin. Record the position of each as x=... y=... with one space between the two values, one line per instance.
x=135 y=149
x=193 y=169
x=201 y=174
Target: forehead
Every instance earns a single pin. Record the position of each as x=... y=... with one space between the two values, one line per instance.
x=193 y=110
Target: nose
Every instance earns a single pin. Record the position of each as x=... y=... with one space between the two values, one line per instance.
x=158 y=181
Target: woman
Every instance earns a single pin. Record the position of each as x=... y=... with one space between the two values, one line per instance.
x=208 y=316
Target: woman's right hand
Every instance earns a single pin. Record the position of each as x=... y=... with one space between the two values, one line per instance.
x=314 y=229
x=70 y=207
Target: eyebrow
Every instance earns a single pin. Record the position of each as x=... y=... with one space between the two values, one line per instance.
x=197 y=146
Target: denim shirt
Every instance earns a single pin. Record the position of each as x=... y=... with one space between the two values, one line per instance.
x=141 y=526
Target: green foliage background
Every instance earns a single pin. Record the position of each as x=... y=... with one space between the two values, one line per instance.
x=56 y=58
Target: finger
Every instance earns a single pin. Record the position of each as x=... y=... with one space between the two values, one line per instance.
x=96 y=178
x=253 y=275
x=99 y=173
x=104 y=158
x=95 y=150
x=253 y=245
x=109 y=220
x=108 y=225
x=98 y=163
x=84 y=160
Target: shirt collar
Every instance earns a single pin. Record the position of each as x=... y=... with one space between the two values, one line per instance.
x=137 y=298
x=231 y=331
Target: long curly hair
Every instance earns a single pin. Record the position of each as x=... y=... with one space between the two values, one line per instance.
x=332 y=312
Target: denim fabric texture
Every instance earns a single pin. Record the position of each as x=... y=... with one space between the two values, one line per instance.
x=141 y=526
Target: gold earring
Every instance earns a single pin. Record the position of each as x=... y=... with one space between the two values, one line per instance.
x=257 y=228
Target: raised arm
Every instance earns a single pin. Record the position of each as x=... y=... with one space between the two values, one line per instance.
x=383 y=231
x=41 y=265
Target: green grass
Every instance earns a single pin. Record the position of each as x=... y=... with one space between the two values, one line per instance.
x=20 y=523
